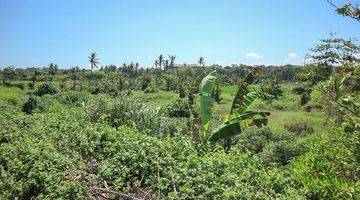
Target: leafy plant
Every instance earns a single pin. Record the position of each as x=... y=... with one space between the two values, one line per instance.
x=45 y=88
x=239 y=115
x=270 y=90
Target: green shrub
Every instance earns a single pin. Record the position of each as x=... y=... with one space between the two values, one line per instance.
x=30 y=105
x=63 y=155
x=270 y=90
x=299 y=127
x=45 y=88
x=253 y=140
x=151 y=89
x=282 y=152
x=330 y=170
x=19 y=85
x=31 y=85
x=301 y=90
x=178 y=108
x=14 y=100
x=73 y=98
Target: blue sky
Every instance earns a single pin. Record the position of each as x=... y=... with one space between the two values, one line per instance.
x=35 y=32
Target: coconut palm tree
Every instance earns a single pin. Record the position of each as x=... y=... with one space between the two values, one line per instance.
x=94 y=60
x=201 y=61
x=137 y=65
x=160 y=60
x=172 y=60
x=156 y=63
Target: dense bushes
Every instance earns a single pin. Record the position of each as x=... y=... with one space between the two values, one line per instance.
x=45 y=88
x=270 y=90
x=279 y=148
x=304 y=92
x=330 y=170
x=178 y=108
x=124 y=111
x=64 y=155
x=300 y=127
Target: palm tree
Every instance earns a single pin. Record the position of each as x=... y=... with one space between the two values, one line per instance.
x=201 y=61
x=160 y=60
x=137 y=66
x=156 y=63
x=166 y=65
x=94 y=60
x=172 y=60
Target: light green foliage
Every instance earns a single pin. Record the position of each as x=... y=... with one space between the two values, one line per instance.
x=238 y=112
x=330 y=169
x=101 y=137
x=55 y=155
x=206 y=103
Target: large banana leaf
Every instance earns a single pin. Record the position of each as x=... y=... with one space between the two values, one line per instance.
x=232 y=128
x=206 y=101
x=206 y=108
x=208 y=83
x=244 y=97
x=225 y=131
x=250 y=115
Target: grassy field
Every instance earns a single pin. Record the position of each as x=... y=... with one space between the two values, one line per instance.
x=284 y=110
x=11 y=94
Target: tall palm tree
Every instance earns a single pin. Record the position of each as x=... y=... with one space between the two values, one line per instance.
x=94 y=60
x=201 y=61
x=166 y=65
x=172 y=60
x=160 y=60
x=137 y=65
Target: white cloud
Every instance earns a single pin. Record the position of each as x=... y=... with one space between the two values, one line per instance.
x=253 y=55
x=293 y=56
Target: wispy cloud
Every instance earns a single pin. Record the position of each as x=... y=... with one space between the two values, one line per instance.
x=293 y=56
x=253 y=55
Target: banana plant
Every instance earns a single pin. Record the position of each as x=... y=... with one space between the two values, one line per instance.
x=238 y=117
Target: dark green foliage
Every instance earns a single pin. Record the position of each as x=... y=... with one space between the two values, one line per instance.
x=300 y=127
x=216 y=93
x=304 y=93
x=179 y=108
x=301 y=90
x=305 y=98
x=182 y=93
x=45 y=88
x=273 y=148
x=253 y=140
x=270 y=90
x=30 y=105
x=9 y=84
x=151 y=89
x=31 y=85
x=19 y=85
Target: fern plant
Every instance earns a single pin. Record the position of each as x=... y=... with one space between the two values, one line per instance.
x=238 y=117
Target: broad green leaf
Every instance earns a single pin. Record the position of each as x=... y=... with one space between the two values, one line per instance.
x=242 y=101
x=208 y=83
x=206 y=101
x=244 y=97
x=226 y=131
x=206 y=108
x=249 y=115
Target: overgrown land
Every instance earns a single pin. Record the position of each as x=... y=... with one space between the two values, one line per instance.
x=185 y=131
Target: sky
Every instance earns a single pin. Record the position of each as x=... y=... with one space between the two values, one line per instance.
x=39 y=32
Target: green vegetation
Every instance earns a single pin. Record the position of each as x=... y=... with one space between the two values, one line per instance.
x=184 y=132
